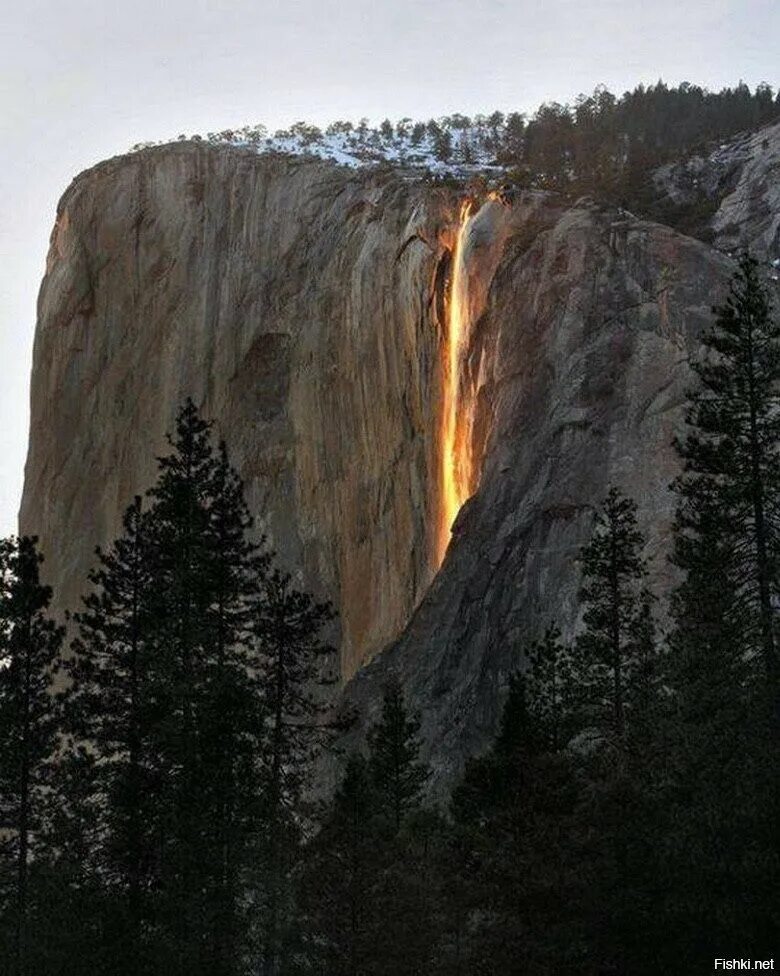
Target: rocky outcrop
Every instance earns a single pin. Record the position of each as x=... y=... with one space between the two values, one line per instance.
x=735 y=189
x=303 y=305
x=296 y=303
x=587 y=333
x=749 y=215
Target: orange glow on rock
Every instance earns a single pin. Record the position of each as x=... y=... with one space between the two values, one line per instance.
x=457 y=474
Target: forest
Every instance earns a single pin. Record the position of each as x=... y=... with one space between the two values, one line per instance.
x=599 y=143
x=156 y=751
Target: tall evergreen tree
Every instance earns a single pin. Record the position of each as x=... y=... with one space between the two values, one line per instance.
x=296 y=665
x=208 y=580
x=617 y=620
x=723 y=797
x=551 y=692
x=234 y=715
x=397 y=774
x=369 y=892
x=30 y=644
x=514 y=811
x=108 y=709
x=615 y=658
x=337 y=882
x=165 y=701
x=729 y=493
x=406 y=836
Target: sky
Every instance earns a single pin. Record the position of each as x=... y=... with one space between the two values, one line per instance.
x=81 y=80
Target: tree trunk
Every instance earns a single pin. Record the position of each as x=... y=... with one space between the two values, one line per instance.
x=273 y=955
x=757 y=491
x=134 y=750
x=24 y=817
x=617 y=662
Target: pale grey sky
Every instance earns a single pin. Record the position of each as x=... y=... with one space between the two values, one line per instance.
x=81 y=80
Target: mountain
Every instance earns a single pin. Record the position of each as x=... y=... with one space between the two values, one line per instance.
x=308 y=308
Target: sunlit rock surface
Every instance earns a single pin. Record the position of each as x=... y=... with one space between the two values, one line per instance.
x=303 y=306
x=294 y=301
x=586 y=335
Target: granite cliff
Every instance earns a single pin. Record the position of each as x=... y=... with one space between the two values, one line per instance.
x=295 y=303
x=304 y=306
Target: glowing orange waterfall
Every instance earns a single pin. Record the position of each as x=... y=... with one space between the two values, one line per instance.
x=456 y=473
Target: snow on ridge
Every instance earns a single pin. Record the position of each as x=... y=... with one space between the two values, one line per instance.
x=448 y=152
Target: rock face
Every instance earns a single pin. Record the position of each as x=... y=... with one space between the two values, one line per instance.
x=740 y=180
x=303 y=306
x=587 y=332
x=295 y=302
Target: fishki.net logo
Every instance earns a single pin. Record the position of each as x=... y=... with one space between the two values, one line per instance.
x=721 y=965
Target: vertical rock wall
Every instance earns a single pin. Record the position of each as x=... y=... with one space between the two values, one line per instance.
x=295 y=302
x=583 y=349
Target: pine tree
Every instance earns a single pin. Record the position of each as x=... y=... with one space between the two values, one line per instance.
x=441 y=139
x=371 y=892
x=488 y=779
x=397 y=774
x=295 y=665
x=513 y=812
x=729 y=493
x=30 y=644
x=166 y=709
x=722 y=798
x=617 y=620
x=336 y=888
x=107 y=712
x=551 y=692
x=406 y=836
x=233 y=717
x=208 y=580
x=615 y=658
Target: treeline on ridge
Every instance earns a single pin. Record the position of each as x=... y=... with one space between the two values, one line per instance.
x=600 y=142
